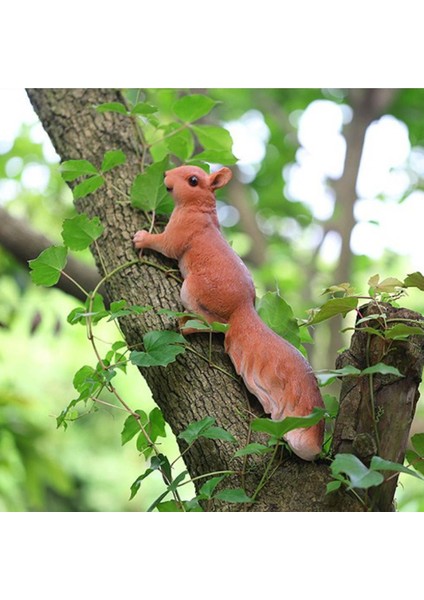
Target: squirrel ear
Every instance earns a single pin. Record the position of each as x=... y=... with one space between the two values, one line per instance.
x=220 y=178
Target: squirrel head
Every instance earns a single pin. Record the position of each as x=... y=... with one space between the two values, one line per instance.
x=191 y=185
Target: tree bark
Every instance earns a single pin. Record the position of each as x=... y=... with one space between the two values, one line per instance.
x=188 y=389
x=376 y=412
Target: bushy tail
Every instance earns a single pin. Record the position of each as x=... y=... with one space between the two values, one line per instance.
x=277 y=374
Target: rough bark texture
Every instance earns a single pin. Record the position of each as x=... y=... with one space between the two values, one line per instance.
x=376 y=412
x=188 y=389
x=24 y=243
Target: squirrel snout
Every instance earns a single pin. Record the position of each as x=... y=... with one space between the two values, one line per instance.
x=168 y=187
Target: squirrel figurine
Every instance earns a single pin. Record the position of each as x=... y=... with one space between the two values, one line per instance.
x=218 y=286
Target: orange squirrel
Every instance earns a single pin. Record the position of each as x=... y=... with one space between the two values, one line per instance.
x=218 y=286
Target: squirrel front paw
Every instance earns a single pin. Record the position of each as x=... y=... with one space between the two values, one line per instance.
x=140 y=238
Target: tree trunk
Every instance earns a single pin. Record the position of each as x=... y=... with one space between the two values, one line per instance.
x=376 y=411
x=188 y=389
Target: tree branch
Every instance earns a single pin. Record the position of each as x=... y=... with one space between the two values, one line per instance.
x=24 y=244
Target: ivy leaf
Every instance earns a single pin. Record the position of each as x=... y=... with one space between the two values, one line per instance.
x=47 y=267
x=415 y=280
x=402 y=331
x=148 y=191
x=380 y=464
x=195 y=430
x=161 y=348
x=111 y=159
x=143 y=108
x=327 y=377
x=418 y=443
x=382 y=369
x=280 y=428
x=253 y=448
x=132 y=426
x=117 y=107
x=332 y=486
x=72 y=169
x=88 y=186
x=192 y=107
x=278 y=315
x=181 y=144
x=359 y=475
x=154 y=466
x=208 y=488
x=415 y=460
x=156 y=424
x=80 y=231
x=233 y=495
x=222 y=157
x=335 y=306
x=218 y=433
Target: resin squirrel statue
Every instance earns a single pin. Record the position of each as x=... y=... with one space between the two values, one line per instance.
x=218 y=286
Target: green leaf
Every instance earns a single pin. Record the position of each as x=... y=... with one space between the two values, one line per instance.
x=278 y=315
x=380 y=464
x=208 y=488
x=192 y=107
x=222 y=157
x=415 y=280
x=233 y=495
x=148 y=191
x=169 y=506
x=117 y=107
x=253 y=448
x=132 y=426
x=388 y=285
x=161 y=348
x=327 y=377
x=382 y=369
x=143 y=108
x=402 y=331
x=331 y=405
x=111 y=159
x=120 y=309
x=156 y=424
x=80 y=231
x=195 y=430
x=154 y=466
x=332 y=486
x=415 y=460
x=88 y=186
x=72 y=169
x=359 y=475
x=280 y=428
x=218 y=433
x=417 y=441
x=335 y=306
x=47 y=267
x=181 y=143
x=214 y=138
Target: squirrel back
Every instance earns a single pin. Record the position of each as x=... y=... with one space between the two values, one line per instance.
x=218 y=285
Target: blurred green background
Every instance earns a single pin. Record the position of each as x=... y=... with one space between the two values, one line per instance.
x=288 y=214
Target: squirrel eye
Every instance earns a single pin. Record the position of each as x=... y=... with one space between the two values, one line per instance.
x=193 y=181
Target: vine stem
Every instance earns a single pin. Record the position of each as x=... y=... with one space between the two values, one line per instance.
x=75 y=283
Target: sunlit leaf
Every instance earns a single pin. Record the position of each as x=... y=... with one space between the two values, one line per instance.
x=278 y=315
x=47 y=267
x=111 y=159
x=72 y=169
x=148 y=191
x=335 y=306
x=88 y=186
x=415 y=280
x=80 y=231
x=380 y=464
x=161 y=348
x=143 y=108
x=402 y=331
x=192 y=107
x=117 y=107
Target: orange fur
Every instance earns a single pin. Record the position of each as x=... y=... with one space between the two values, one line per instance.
x=218 y=286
